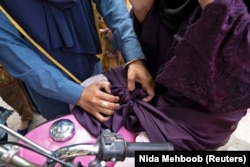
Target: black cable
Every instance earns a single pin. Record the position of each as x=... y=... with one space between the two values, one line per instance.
x=43 y=154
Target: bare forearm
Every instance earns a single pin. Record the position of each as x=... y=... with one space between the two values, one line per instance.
x=141 y=8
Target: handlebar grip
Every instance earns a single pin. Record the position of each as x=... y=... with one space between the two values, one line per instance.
x=145 y=146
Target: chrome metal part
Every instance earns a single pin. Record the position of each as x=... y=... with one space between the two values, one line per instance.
x=62 y=130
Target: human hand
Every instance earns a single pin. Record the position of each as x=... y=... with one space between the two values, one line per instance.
x=107 y=33
x=98 y=101
x=137 y=72
x=204 y=3
x=116 y=56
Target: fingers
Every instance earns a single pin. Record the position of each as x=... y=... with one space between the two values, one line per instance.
x=106 y=110
x=104 y=93
x=104 y=30
x=147 y=86
x=108 y=105
x=107 y=33
x=98 y=101
x=137 y=72
x=108 y=98
x=102 y=118
x=106 y=88
x=104 y=114
x=131 y=83
x=150 y=91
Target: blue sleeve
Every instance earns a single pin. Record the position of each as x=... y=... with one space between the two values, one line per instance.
x=117 y=18
x=26 y=63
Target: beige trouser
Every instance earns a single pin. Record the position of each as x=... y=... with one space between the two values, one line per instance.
x=15 y=95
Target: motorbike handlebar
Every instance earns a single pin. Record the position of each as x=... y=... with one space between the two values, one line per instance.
x=9 y=156
x=111 y=147
x=133 y=147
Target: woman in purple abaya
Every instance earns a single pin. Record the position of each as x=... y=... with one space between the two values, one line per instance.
x=202 y=73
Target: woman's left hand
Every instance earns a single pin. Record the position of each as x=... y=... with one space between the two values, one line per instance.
x=137 y=72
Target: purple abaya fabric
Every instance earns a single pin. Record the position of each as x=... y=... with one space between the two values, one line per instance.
x=188 y=127
x=205 y=86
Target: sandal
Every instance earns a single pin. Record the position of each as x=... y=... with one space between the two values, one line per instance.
x=23 y=132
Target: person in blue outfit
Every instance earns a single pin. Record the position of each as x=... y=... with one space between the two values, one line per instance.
x=66 y=32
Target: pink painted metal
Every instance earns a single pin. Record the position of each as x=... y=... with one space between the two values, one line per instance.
x=40 y=135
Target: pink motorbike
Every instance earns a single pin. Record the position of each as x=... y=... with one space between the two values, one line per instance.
x=64 y=142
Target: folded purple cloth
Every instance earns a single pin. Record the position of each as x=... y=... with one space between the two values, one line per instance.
x=205 y=84
x=184 y=126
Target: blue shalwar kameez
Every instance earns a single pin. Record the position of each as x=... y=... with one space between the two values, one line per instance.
x=66 y=30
